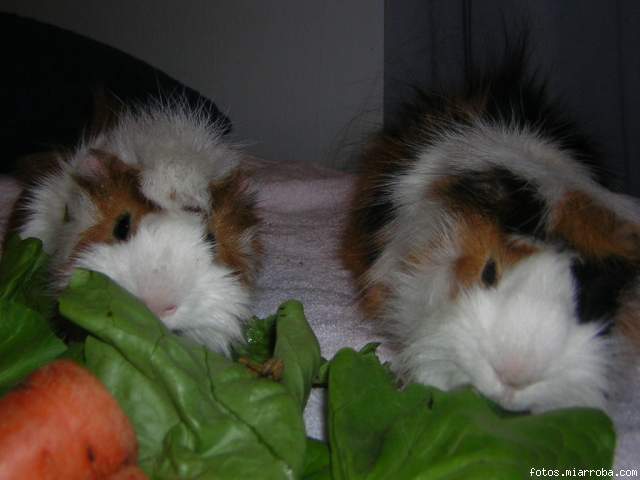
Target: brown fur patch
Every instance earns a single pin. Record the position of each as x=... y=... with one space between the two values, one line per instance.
x=594 y=230
x=233 y=218
x=480 y=240
x=440 y=188
x=628 y=317
x=353 y=250
x=373 y=299
x=514 y=251
x=114 y=192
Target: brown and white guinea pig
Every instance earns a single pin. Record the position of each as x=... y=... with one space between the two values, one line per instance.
x=158 y=203
x=490 y=254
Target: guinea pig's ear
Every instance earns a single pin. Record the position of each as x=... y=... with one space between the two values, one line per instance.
x=97 y=166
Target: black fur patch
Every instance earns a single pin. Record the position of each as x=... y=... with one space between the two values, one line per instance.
x=502 y=195
x=372 y=218
x=377 y=210
x=599 y=286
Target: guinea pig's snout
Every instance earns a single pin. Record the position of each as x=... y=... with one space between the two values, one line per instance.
x=161 y=308
x=159 y=294
x=514 y=377
x=514 y=373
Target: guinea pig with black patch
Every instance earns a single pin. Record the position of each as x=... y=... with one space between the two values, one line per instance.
x=159 y=203
x=489 y=252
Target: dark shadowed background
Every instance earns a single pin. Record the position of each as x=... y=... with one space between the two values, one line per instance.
x=306 y=80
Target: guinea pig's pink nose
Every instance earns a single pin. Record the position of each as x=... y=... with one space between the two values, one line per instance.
x=161 y=309
x=514 y=374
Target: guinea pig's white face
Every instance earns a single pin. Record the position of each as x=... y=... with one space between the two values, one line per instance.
x=160 y=204
x=169 y=263
x=519 y=342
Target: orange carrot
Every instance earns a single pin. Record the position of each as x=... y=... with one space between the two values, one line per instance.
x=62 y=423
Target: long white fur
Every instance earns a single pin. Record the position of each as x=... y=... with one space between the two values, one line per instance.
x=56 y=196
x=524 y=332
x=178 y=151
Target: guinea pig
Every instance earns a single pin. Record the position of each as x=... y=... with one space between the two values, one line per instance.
x=159 y=203
x=489 y=252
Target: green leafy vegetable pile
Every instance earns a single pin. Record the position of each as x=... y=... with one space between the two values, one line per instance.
x=196 y=413
x=26 y=339
x=200 y=415
x=422 y=432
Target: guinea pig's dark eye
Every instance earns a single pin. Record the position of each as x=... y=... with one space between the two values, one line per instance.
x=210 y=238
x=193 y=209
x=122 y=226
x=489 y=273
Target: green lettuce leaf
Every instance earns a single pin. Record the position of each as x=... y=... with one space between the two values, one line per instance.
x=260 y=337
x=197 y=414
x=26 y=339
x=379 y=432
x=23 y=275
x=317 y=460
x=298 y=348
x=26 y=343
x=285 y=336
